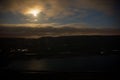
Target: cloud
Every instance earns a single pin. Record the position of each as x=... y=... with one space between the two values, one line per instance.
x=30 y=25
x=45 y=25
x=106 y=6
x=58 y=8
x=53 y=29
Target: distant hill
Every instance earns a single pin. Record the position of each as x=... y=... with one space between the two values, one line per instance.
x=64 y=44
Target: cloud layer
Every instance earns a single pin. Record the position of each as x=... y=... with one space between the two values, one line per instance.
x=53 y=30
x=58 y=8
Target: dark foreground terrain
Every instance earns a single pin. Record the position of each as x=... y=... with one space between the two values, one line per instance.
x=76 y=56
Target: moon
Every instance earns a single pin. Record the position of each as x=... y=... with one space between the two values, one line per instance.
x=34 y=12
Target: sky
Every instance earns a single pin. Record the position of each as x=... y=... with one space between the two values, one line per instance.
x=38 y=18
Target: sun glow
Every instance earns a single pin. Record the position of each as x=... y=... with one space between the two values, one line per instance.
x=34 y=12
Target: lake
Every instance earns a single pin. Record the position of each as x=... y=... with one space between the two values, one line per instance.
x=67 y=64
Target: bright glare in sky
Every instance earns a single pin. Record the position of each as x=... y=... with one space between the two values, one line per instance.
x=34 y=12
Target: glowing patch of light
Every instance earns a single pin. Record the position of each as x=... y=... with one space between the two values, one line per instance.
x=34 y=12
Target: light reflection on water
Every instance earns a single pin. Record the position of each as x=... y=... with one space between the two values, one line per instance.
x=36 y=64
x=92 y=63
x=32 y=64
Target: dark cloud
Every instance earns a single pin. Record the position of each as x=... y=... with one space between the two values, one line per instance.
x=58 y=9
x=53 y=8
x=31 y=32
